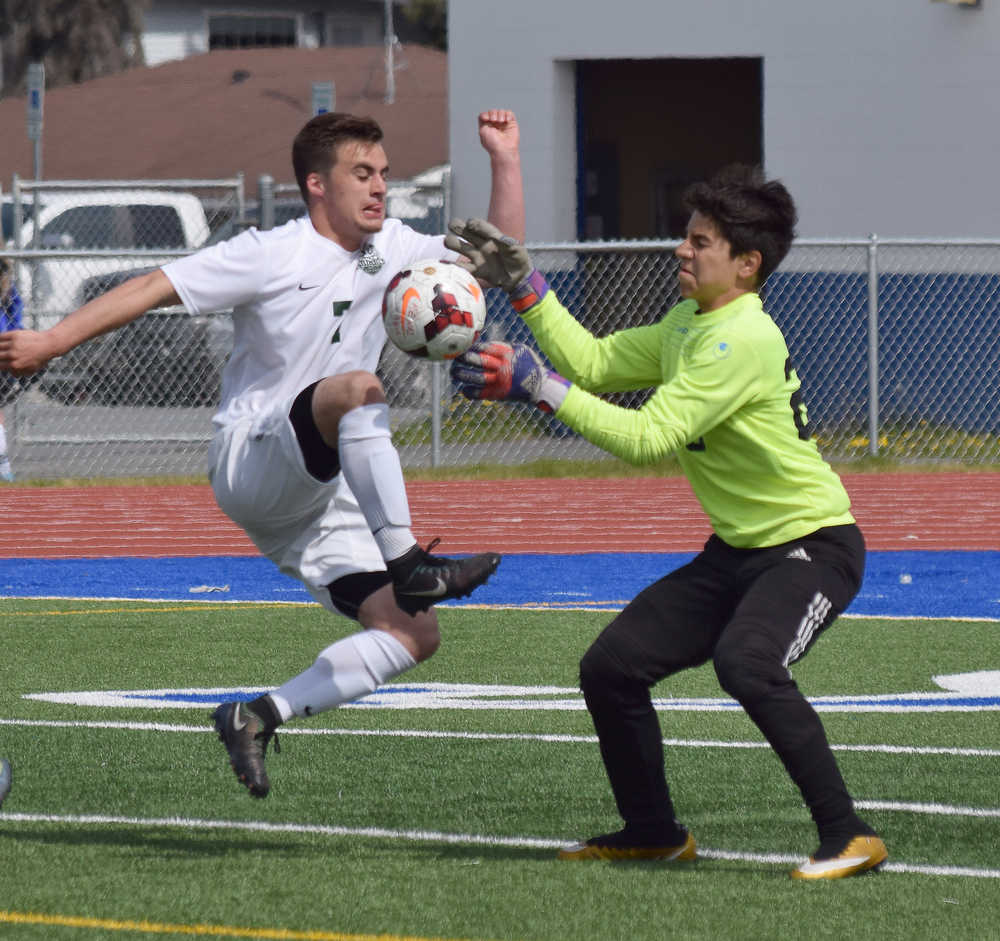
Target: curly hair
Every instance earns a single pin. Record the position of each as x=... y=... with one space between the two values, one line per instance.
x=314 y=149
x=751 y=212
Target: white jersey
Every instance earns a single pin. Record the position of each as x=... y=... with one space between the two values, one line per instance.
x=303 y=308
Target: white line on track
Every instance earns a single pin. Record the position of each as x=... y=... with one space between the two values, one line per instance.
x=595 y=606
x=496 y=736
x=945 y=810
x=433 y=836
x=902 y=806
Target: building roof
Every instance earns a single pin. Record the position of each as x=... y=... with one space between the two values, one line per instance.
x=211 y=116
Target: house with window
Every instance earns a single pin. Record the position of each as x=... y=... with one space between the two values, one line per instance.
x=176 y=29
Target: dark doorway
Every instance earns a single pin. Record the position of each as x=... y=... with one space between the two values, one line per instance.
x=647 y=128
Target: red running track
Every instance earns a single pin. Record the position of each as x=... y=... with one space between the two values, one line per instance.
x=959 y=510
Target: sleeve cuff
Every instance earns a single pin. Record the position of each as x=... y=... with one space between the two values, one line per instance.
x=529 y=292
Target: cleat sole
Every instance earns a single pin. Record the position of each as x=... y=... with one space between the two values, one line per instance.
x=863 y=854
x=687 y=852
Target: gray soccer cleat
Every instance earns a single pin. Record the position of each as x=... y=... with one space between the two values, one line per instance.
x=246 y=738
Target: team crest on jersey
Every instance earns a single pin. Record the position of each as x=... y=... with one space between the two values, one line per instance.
x=722 y=350
x=371 y=261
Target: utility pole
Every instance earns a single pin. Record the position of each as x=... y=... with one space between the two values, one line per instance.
x=390 y=65
x=36 y=104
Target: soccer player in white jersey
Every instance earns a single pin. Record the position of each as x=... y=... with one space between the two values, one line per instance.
x=302 y=456
x=786 y=556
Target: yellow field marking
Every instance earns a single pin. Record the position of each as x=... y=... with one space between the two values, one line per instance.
x=212 y=931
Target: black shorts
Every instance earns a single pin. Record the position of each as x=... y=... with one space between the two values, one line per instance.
x=322 y=461
x=788 y=593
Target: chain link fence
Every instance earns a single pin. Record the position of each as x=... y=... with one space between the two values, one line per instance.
x=896 y=343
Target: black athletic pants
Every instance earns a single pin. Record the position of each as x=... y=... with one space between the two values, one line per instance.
x=752 y=612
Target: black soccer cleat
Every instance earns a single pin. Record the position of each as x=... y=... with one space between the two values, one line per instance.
x=246 y=737
x=421 y=579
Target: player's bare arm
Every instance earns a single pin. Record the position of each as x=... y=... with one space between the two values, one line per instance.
x=23 y=352
x=501 y=139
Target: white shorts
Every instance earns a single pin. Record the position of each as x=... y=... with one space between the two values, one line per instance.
x=312 y=530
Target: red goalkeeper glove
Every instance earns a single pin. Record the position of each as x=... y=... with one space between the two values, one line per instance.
x=502 y=372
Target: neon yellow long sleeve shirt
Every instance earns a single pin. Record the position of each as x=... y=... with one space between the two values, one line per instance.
x=725 y=400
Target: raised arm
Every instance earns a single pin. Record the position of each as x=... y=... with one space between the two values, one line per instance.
x=23 y=352
x=500 y=137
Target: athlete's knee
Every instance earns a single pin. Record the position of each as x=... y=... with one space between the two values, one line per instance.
x=422 y=642
x=604 y=675
x=337 y=396
x=748 y=670
x=418 y=633
x=356 y=388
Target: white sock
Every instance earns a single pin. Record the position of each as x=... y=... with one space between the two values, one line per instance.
x=370 y=464
x=345 y=671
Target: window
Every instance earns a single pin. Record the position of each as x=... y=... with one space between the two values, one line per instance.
x=156 y=227
x=247 y=31
x=135 y=226
x=83 y=227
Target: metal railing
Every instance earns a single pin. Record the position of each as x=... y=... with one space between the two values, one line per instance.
x=896 y=341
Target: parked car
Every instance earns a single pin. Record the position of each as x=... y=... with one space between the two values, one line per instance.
x=105 y=220
x=119 y=221
x=167 y=357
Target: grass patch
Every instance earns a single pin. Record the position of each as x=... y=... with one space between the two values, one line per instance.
x=351 y=860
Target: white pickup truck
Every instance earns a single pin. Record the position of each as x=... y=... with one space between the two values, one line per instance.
x=112 y=221
x=166 y=357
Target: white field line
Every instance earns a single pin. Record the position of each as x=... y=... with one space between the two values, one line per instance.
x=908 y=807
x=610 y=606
x=495 y=737
x=433 y=836
x=944 y=810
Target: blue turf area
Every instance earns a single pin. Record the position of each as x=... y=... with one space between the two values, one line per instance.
x=913 y=584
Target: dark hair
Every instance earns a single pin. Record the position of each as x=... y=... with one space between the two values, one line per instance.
x=314 y=149
x=752 y=213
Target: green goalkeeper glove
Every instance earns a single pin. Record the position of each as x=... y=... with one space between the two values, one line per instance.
x=498 y=260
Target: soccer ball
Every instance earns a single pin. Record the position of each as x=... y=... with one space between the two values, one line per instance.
x=433 y=309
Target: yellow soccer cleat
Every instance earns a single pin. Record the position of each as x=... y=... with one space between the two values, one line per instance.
x=860 y=854
x=618 y=846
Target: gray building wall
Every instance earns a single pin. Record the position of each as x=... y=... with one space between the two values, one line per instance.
x=880 y=115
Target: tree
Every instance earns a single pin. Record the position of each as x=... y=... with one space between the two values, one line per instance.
x=75 y=39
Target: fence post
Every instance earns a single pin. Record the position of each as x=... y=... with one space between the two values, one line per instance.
x=873 y=374
x=241 y=198
x=446 y=197
x=265 y=197
x=18 y=204
x=436 y=369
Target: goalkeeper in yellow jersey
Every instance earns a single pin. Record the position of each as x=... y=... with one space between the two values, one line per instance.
x=786 y=556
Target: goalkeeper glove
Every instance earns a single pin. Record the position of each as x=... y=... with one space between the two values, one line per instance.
x=498 y=260
x=516 y=373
